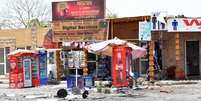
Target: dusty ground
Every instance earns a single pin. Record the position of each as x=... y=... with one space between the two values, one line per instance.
x=158 y=92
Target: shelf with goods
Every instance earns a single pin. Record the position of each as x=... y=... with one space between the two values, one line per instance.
x=27 y=67
x=34 y=67
x=104 y=68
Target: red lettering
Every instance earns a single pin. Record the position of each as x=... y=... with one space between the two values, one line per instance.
x=193 y=21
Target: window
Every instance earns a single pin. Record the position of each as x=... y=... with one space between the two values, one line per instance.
x=51 y=58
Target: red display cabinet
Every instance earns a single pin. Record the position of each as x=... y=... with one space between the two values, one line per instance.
x=24 y=70
x=16 y=73
x=121 y=65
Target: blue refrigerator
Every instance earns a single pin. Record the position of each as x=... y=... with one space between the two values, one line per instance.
x=42 y=57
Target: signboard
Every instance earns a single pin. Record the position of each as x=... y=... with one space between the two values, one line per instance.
x=79 y=25
x=81 y=9
x=184 y=25
x=158 y=21
x=144 y=31
x=79 y=30
x=77 y=36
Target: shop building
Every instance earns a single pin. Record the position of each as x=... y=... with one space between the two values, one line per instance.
x=72 y=30
x=11 y=40
x=180 y=47
x=127 y=28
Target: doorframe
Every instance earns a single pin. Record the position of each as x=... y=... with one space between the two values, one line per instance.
x=186 y=57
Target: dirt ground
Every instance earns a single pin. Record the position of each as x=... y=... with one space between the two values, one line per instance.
x=161 y=91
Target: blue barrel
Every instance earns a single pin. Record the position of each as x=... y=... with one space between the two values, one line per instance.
x=88 y=81
x=69 y=81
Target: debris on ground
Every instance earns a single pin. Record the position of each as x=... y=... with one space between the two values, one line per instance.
x=33 y=96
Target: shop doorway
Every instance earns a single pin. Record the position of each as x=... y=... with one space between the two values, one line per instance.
x=192 y=58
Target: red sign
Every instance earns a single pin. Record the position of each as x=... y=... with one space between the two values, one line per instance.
x=191 y=22
x=81 y=9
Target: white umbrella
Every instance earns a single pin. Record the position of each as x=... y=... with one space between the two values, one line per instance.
x=105 y=47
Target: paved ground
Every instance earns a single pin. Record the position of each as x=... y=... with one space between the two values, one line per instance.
x=160 y=92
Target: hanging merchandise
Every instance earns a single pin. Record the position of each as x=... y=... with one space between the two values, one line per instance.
x=76 y=59
x=70 y=59
x=82 y=59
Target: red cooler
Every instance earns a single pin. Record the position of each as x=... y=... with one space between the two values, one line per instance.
x=120 y=66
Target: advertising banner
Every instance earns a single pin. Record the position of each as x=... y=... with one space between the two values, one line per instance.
x=78 y=36
x=81 y=9
x=184 y=25
x=79 y=30
x=144 y=31
x=78 y=25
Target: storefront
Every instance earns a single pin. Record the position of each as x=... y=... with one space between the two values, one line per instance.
x=11 y=39
x=180 y=47
x=128 y=29
x=75 y=58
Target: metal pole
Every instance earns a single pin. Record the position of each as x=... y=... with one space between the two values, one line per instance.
x=76 y=71
x=76 y=77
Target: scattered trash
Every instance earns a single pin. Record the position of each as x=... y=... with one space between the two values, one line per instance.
x=62 y=93
x=47 y=99
x=10 y=95
x=163 y=91
x=53 y=82
x=37 y=96
x=131 y=95
x=71 y=97
x=97 y=98
x=166 y=91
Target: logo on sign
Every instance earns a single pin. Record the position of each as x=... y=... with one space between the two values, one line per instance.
x=192 y=22
x=174 y=24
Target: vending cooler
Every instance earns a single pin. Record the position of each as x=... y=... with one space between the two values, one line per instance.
x=42 y=57
x=121 y=65
x=24 y=69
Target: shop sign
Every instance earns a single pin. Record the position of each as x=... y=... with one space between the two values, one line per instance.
x=79 y=30
x=79 y=25
x=80 y=9
x=66 y=36
x=144 y=31
x=184 y=25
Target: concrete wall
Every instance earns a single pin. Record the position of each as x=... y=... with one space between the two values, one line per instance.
x=23 y=37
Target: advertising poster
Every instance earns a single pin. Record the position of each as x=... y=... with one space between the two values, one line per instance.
x=184 y=25
x=144 y=31
x=80 y=9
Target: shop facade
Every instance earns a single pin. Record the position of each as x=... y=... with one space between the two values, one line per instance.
x=128 y=29
x=180 y=47
x=11 y=40
x=73 y=31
